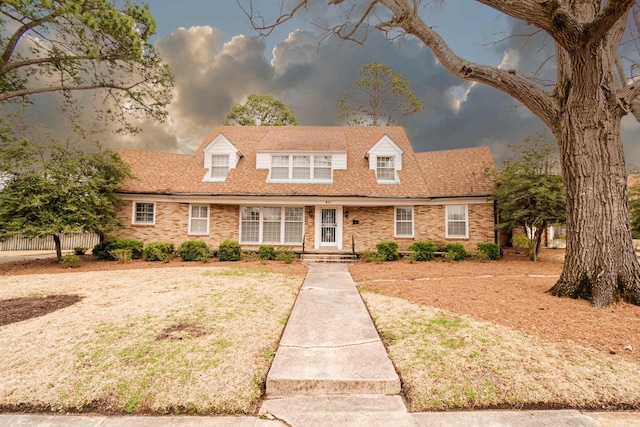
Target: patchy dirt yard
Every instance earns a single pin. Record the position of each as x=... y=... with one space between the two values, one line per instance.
x=196 y=339
x=509 y=292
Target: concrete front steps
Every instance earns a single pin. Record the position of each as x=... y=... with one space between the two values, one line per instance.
x=325 y=257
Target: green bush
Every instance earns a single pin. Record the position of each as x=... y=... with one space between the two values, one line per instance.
x=104 y=249
x=285 y=254
x=229 y=250
x=370 y=256
x=521 y=243
x=70 y=261
x=422 y=251
x=266 y=252
x=490 y=250
x=388 y=250
x=455 y=251
x=78 y=250
x=158 y=251
x=122 y=255
x=194 y=250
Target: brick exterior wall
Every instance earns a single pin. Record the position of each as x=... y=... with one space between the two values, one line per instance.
x=374 y=224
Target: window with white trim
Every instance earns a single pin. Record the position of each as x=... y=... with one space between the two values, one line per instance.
x=404 y=222
x=144 y=212
x=293 y=225
x=219 y=166
x=456 y=221
x=301 y=167
x=275 y=225
x=297 y=168
x=322 y=167
x=385 y=169
x=199 y=219
x=271 y=225
x=279 y=167
x=250 y=225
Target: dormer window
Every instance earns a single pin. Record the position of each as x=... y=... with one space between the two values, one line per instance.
x=301 y=168
x=220 y=156
x=385 y=169
x=385 y=158
x=219 y=166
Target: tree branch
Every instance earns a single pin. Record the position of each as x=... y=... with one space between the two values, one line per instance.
x=26 y=92
x=606 y=19
x=533 y=97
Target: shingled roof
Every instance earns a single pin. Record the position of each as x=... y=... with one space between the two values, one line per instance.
x=457 y=173
x=176 y=174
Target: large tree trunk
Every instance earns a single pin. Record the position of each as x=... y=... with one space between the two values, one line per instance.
x=600 y=264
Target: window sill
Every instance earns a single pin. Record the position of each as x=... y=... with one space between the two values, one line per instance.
x=299 y=181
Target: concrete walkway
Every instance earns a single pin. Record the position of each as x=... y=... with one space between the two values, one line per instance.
x=331 y=369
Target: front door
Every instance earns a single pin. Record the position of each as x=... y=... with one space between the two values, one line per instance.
x=328 y=227
x=328 y=232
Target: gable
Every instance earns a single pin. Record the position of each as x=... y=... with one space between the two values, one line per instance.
x=385 y=147
x=220 y=146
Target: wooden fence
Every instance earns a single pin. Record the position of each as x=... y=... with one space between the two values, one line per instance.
x=68 y=242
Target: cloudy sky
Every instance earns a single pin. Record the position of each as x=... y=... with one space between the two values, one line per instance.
x=218 y=61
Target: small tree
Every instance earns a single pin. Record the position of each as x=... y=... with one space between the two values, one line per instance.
x=380 y=98
x=58 y=190
x=261 y=110
x=529 y=189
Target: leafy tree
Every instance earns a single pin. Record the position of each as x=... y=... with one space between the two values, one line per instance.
x=583 y=107
x=634 y=209
x=380 y=98
x=59 y=190
x=65 y=46
x=261 y=110
x=529 y=189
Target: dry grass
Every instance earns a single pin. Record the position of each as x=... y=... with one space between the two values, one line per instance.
x=197 y=340
x=450 y=361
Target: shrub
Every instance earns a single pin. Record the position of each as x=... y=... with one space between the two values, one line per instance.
x=422 y=251
x=70 y=261
x=285 y=254
x=194 y=250
x=122 y=255
x=388 y=250
x=158 y=251
x=266 y=252
x=455 y=251
x=229 y=250
x=490 y=250
x=78 y=250
x=250 y=256
x=370 y=256
x=103 y=249
x=521 y=242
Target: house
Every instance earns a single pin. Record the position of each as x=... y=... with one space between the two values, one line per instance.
x=311 y=188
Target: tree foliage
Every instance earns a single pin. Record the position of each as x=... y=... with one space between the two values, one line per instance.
x=380 y=98
x=58 y=190
x=634 y=209
x=588 y=92
x=529 y=190
x=65 y=46
x=261 y=110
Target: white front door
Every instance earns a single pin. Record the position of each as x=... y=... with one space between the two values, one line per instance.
x=328 y=228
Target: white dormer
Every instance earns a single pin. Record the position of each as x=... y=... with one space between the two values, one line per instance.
x=385 y=158
x=220 y=156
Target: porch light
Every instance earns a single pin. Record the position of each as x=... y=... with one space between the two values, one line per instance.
x=346 y=214
x=311 y=214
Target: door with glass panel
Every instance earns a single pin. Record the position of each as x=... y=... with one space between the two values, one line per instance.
x=328 y=227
